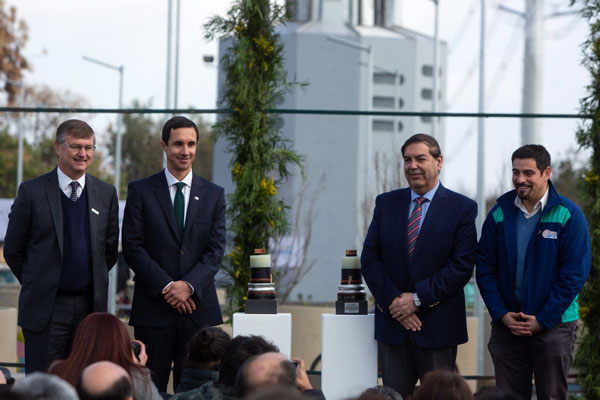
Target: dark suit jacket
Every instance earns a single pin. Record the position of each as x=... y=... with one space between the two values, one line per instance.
x=33 y=245
x=442 y=263
x=152 y=248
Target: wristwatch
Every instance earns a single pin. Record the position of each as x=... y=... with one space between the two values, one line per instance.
x=416 y=300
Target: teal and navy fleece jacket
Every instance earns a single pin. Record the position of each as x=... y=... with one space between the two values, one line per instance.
x=557 y=261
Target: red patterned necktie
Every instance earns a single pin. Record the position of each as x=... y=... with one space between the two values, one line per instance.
x=413 y=224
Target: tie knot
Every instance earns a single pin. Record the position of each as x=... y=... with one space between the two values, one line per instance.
x=421 y=200
x=74 y=185
x=180 y=186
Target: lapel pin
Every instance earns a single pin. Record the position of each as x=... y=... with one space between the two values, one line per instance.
x=95 y=211
x=196 y=198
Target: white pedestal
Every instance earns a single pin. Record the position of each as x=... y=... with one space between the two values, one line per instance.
x=348 y=355
x=276 y=328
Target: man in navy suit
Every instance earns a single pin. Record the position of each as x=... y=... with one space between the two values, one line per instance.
x=61 y=240
x=173 y=239
x=417 y=257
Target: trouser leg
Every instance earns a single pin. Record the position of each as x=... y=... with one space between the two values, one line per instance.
x=512 y=361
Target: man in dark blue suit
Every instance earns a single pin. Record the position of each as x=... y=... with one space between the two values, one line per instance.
x=417 y=257
x=173 y=239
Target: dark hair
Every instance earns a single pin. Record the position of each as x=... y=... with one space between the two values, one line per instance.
x=176 y=123
x=443 y=384
x=99 y=337
x=284 y=376
x=206 y=348
x=238 y=351
x=434 y=146
x=535 y=151
x=76 y=128
x=383 y=392
x=121 y=389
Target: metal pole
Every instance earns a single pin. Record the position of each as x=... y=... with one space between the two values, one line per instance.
x=20 y=133
x=112 y=275
x=477 y=300
x=532 y=71
x=168 y=77
x=370 y=168
x=436 y=42
x=176 y=83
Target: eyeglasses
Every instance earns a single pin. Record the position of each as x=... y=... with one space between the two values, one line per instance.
x=77 y=147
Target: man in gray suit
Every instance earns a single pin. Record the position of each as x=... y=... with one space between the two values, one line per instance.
x=61 y=240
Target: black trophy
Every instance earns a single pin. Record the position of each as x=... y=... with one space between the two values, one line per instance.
x=351 y=296
x=262 y=297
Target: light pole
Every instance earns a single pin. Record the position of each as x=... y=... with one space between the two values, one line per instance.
x=112 y=285
x=20 y=85
x=436 y=56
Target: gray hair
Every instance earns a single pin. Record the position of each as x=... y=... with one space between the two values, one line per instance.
x=41 y=386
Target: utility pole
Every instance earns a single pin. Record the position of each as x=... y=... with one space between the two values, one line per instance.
x=532 y=68
x=532 y=71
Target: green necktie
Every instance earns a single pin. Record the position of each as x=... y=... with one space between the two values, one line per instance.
x=178 y=206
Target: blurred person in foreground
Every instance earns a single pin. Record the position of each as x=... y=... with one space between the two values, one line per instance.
x=203 y=358
x=240 y=349
x=274 y=369
x=533 y=259
x=442 y=384
x=103 y=337
x=417 y=257
x=60 y=243
x=42 y=386
x=105 y=380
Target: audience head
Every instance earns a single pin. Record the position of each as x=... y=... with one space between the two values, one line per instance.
x=275 y=393
x=105 y=380
x=206 y=348
x=268 y=369
x=99 y=337
x=40 y=386
x=443 y=384
x=238 y=351
x=380 y=392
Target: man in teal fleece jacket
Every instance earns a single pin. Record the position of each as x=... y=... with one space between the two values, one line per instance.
x=533 y=258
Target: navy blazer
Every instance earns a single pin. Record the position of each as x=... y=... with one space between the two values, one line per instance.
x=442 y=264
x=154 y=251
x=33 y=245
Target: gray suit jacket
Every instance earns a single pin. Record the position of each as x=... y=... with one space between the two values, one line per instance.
x=33 y=246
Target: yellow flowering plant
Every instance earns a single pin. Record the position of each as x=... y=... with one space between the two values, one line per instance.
x=260 y=157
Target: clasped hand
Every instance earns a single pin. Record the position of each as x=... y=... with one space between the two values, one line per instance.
x=178 y=297
x=403 y=310
x=521 y=324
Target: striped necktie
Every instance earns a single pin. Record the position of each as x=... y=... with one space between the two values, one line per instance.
x=74 y=186
x=413 y=224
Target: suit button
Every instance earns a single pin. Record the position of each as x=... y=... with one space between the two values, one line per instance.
x=54 y=285
x=181 y=251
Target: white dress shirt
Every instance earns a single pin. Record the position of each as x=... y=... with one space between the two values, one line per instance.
x=539 y=206
x=64 y=182
x=171 y=182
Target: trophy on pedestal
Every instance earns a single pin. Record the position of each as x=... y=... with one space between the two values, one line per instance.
x=262 y=296
x=351 y=296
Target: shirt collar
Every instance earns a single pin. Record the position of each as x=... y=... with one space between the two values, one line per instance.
x=539 y=206
x=64 y=181
x=429 y=195
x=171 y=180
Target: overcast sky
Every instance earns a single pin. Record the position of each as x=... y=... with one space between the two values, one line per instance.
x=133 y=33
